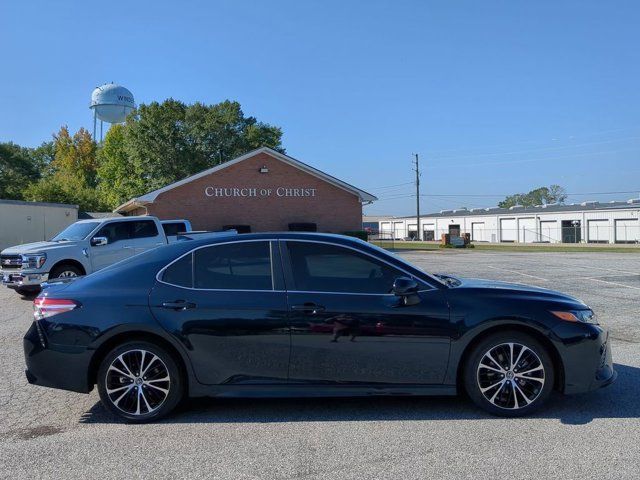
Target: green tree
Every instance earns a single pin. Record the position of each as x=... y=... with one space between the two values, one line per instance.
x=42 y=157
x=18 y=170
x=71 y=176
x=118 y=179
x=538 y=196
x=168 y=141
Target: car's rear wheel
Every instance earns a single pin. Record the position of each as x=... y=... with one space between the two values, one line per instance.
x=140 y=382
x=509 y=374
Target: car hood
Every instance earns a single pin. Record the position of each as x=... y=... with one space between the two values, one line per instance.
x=510 y=289
x=38 y=247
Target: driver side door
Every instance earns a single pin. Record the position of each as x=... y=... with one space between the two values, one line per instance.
x=347 y=328
x=118 y=247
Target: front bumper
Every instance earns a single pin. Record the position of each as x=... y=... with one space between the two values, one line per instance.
x=56 y=366
x=586 y=357
x=21 y=279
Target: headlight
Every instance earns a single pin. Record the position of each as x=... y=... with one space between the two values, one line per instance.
x=35 y=260
x=583 y=316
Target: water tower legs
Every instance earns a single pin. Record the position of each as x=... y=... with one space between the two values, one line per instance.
x=94 y=124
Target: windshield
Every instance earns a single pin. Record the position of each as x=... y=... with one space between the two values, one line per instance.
x=75 y=231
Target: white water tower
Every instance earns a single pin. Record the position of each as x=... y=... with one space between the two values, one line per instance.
x=110 y=103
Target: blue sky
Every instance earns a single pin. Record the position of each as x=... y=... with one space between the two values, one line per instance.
x=496 y=96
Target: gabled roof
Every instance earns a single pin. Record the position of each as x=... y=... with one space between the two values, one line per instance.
x=151 y=196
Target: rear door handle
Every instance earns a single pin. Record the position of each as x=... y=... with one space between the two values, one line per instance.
x=311 y=308
x=178 y=305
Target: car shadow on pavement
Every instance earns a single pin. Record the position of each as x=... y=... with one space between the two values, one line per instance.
x=619 y=400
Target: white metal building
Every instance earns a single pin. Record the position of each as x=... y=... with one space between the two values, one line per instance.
x=25 y=222
x=587 y=222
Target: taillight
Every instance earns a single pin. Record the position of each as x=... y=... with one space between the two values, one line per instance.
x=44 y=307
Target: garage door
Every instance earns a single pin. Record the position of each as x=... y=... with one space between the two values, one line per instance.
x=549 y=231
x=508 y=230
x=478 y=233
x=429 y=230
x=386 y=231
x=399 y=230
x=598 y=231
x=527 y=230
x=627 y=231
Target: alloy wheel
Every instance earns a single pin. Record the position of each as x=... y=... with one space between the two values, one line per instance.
x=67 y=274
x=510 y=376
x=137 y=382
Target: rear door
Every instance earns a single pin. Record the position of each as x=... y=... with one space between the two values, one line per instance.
x=226 y=303
x=347 y=328
x=145 y=235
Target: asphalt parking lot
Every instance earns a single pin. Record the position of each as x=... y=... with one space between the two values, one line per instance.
x=47 y=433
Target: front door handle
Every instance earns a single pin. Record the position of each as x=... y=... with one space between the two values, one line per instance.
x=178 y=305
x=308 y=307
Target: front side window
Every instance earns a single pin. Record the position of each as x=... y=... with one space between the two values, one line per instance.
x=234 y=266
x=320 y=267
x=115 y=231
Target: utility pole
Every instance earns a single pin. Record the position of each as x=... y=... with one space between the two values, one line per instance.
x=417 y=170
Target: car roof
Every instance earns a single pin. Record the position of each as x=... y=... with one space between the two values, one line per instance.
x=332 y=237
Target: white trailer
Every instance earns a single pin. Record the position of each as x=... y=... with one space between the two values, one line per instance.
x=25 y=222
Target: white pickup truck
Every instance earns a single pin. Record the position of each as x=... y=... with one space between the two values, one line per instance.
x=84 y=247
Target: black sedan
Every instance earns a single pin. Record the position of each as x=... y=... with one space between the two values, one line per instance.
x=296 y=314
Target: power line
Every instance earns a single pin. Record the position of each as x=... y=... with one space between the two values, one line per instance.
x=536 y=160
x=497 y=195
x=524 y=142
x=390 y=186
x=544 y=149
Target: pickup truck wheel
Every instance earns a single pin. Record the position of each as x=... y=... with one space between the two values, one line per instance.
x=64 y=271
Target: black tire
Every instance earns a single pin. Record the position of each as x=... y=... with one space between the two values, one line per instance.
x=65 y=270
x=150 y=393
x=28 y=291
x=518 y=393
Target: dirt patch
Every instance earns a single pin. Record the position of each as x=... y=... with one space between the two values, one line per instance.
x=35 y=432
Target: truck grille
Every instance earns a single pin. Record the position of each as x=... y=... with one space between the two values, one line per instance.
x=10 y=261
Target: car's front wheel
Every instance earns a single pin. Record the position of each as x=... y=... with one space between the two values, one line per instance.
x=509 y=374
x=65 y=271
x=140 y=382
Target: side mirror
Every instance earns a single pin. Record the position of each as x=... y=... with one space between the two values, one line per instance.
x=403 y=286
x=99 y=241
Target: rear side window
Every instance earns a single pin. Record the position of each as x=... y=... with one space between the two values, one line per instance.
x=144 y=229
x=234 y=266
x=180 y=273
x=174 y=228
